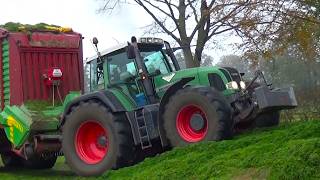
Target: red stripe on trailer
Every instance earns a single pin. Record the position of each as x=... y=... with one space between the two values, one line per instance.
x=16 y=90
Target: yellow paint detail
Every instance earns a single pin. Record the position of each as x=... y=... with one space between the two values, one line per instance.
x=60 y=29
x=12 y=123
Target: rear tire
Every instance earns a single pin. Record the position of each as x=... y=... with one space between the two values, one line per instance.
x=95 y=140
x=197 y=114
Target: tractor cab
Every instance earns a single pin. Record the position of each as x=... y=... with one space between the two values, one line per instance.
x=115 y=69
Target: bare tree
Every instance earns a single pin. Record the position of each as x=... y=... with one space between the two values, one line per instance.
x=257 y=22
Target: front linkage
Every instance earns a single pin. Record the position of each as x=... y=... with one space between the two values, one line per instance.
x=261 y=98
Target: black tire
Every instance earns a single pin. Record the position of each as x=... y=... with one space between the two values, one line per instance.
x=11 y=160
x=120 y=151
x=38 y=162
x=214 y=111
x=267 y=119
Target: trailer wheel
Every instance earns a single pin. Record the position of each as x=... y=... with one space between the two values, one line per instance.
x=197 y=114
x=11 y=160
x=39 y=162
x=95 y=140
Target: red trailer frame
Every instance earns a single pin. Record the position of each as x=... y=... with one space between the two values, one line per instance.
x=31 y=54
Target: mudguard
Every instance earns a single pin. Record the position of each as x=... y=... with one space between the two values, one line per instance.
x=164 y=100
x=105 y=97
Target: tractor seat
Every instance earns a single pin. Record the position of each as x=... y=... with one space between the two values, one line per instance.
x=125 y=76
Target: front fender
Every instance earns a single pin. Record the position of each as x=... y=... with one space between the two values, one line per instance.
x=164 y=100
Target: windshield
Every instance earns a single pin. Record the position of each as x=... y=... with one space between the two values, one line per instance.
x=156 y=58
x=154 y=61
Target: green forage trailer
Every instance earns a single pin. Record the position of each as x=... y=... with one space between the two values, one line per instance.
x=41 y=70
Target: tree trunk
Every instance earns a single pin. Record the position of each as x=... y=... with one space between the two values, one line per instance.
x=198 y=55
x=190 y=62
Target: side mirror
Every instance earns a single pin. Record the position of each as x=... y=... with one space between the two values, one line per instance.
x=95 y=41
x=157 y=72
x=131 y=52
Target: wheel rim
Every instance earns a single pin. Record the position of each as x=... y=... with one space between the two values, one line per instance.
x=91 y=142
x=184 y=126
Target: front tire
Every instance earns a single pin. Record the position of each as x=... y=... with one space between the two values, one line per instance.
x=197 y=114
x=267 y=119
x=95 y=140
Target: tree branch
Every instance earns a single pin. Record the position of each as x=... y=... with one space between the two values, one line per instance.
x=157 y=20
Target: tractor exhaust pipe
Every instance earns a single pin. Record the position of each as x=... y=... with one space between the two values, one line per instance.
x=134 y=53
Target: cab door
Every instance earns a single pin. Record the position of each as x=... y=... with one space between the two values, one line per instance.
x=160 y=69
x=121 y=77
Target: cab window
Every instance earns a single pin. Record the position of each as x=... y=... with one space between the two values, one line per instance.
x=170 y=62
x=155 y=61
x=120 y=68
x=96 y=76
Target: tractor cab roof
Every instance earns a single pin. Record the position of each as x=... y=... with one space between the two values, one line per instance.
x=144 y=41
x=107 y=51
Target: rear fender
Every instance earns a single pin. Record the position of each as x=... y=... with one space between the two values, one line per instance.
x=105 y=97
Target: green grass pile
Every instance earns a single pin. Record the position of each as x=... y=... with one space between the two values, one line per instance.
x=291 y=151
x=18 y=27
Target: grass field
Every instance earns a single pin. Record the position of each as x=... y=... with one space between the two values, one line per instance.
x=291 y=151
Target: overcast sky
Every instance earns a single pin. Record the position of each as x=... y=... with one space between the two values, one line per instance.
x=82 y=17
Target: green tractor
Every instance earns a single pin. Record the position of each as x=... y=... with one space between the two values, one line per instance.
x=141 y=103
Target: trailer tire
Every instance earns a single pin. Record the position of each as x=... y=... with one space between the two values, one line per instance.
x=197 y=114
x=11 y=160
x=110 y=140
x=39 y=162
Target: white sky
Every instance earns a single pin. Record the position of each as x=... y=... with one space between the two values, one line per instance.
x=82 y=17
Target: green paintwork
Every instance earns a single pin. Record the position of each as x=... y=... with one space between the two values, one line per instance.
x=5 y=75
x=201 y=79
x=71 y=96
x=161 y=82
x=17 y=123
x=126 y=90
x=200 y=74
x=32 y=116
x=127 y=102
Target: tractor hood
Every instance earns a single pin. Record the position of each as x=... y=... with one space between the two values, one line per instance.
x=200 y=74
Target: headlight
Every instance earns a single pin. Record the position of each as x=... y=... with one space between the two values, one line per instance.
x=232 y=85
x=242 y=85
